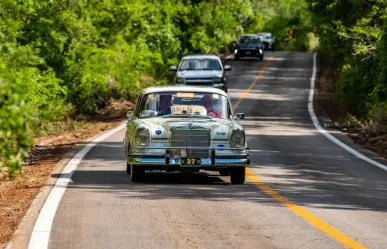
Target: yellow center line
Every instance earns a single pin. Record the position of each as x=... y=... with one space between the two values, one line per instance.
x=296 y=209
x=303 y=213
x=246 y=92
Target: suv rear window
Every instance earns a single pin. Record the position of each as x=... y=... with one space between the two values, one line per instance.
x=249 y=40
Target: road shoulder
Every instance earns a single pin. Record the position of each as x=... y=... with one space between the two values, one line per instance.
x=324 y=112
x=23 y=197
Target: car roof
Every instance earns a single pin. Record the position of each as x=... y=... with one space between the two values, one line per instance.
x=183 y=88
x=203 y=56
x=248 y=35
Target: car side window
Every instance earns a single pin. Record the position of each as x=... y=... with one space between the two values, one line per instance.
x=137 y=107
x=141 y=106
x=229 y=113
x=149 y=106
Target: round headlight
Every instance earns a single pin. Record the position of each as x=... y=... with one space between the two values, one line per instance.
x=143 y=137
x=237 y=139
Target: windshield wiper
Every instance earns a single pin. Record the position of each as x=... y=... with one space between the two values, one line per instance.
x=186 y=115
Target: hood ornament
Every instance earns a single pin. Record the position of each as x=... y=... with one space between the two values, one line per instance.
x=190 y=125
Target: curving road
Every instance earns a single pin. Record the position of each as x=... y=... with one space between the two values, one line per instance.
x=303 y=191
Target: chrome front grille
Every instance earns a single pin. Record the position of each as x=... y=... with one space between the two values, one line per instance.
x=191 y=138
x=200 y=81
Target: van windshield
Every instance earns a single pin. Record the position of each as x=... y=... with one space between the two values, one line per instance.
x=200 y=64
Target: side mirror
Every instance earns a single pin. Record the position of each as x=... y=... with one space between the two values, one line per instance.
x=129 y=114
x=173 y=68
x=240 y=115
x=227 y=68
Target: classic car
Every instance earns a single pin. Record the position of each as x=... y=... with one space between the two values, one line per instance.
x=186 y=129
x=202 y=70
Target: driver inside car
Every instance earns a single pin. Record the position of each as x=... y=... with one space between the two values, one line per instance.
x=165 y=105
x=207 y=103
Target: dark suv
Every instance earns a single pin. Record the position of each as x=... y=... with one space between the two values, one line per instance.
x=249 y=45
x=202 y=70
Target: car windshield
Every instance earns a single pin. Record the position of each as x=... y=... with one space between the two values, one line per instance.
x=200 y=64
x=184 y=104
x=249 y=39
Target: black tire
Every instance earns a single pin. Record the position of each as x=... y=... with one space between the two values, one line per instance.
x=261 y=58
x=128 y=168
x=237 y=175
x=224 y=172
x=236 y=57
x=137 y=174
x=225 y=90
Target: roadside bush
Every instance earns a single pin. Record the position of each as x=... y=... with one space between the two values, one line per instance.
x=356 y=39
x=62 y=60
x=15 y=133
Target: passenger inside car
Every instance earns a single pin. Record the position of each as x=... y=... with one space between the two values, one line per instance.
x=207 y=103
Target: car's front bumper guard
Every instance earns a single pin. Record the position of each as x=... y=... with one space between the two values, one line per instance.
x=214 y=160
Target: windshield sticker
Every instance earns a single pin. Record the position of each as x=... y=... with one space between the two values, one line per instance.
x=189 y=109
x=185 y=95
x=215 y=96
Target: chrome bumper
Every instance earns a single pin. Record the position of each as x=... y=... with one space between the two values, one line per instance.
x=215 y=160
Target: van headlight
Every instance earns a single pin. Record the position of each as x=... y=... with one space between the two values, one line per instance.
x=237 y=139
x=179 y=80
x=218 y=79
x=143 y=137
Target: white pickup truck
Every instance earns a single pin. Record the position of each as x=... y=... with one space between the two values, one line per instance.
x=267 y=40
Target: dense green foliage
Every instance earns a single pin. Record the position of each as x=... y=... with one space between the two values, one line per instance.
x=62 y=59
x=354 y=34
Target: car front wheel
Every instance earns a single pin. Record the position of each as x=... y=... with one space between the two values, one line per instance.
x=137 y=173
x=237 y=175
x=128 y=168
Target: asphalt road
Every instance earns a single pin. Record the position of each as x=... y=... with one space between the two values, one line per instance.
x=102 y=209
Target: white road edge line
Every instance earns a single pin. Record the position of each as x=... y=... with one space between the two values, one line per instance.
x=326 y=133
x=41 y=232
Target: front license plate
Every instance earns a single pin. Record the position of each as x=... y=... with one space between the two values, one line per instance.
x=248 y=52
x=191 y=161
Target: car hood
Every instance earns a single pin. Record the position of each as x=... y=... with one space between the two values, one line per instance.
x=199 y=73
x=160 y=127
